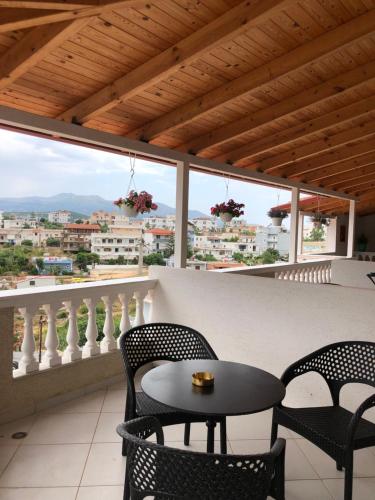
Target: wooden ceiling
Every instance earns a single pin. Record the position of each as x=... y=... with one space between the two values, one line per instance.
x=285 y=87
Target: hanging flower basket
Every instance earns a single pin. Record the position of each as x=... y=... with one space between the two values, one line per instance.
x=277 y=216
x=319 y=221
x=136 y=203
x=227 y=211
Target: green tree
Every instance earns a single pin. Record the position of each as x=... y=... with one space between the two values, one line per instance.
x=269 y=256
x=82 y=261
x=239 y=257
x=154 y=259
x=39 y=263
x=316 y=234
x=170 y=246
x=27 y=243
x=52 y=242
x=79 y=221
x=205 y=258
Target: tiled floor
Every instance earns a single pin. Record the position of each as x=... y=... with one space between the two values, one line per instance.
x=72 y=452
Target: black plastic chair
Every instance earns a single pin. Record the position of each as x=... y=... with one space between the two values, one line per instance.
x=162 y=342
x=153 y=469
x=335 y=430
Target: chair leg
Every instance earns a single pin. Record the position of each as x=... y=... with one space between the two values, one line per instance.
x=338 y=466
x=187 y=434
x=223 y=436
x=349 y=479
x=124 y=450
x=126 y=487
x=273 y=432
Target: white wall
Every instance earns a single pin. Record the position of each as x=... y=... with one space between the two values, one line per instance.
x=352 y=273
x=265 y=322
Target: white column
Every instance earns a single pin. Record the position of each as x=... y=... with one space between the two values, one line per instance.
x=300 y=233
x=351 y=229
x=182 y=205
x=139 y=317
x=108 y=343
x=51 y=356
x=72 y=352
x=293 y=244
x=27 y=363
x=91 y=347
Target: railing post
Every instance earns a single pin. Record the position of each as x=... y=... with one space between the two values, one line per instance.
x=351 y=229
x=125 y=321
x=91 y=347
x=28 y=363
x=139 y=317
x=108 y=343
x=72 y=352
x=51 y=356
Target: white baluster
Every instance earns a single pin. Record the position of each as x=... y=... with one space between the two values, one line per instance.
x=318 y=275
x=139 y=318
x=315 y=277
x=148 y=306
x=311 y=275
x=27 y=363
x=108 y=343
x=329 y=274
x=292 y=275
x=277 y=276
x=125 y=320
x=51 y=356
x=72 y=352
x=91 y=347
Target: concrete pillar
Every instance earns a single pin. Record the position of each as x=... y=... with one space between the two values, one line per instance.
x=300 y=233
x=182 y=206
x=293 y=244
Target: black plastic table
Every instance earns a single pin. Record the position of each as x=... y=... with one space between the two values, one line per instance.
x=238 y=390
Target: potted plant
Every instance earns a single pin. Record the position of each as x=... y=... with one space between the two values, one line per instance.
x=362 y=243
x=226 y=211
x=277 y=216
x=136 y=203
x=318 y=220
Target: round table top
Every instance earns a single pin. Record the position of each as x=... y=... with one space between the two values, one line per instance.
x=238 y=389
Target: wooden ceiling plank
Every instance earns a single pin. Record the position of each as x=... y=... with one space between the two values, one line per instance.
x=279 y=163
x=48 y=5
x=33 y=47
x=300 y=57
x=346 y=170
x=304 y=129
x=356 y=181
x=30 y=18
x=231 y=24
x=301 y=170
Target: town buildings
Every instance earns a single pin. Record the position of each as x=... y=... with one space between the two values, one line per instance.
x=60 y=217
x=121 y=242
x=78 y=237
x=158 y=240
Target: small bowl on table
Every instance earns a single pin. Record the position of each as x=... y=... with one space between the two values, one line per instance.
x=203 y=379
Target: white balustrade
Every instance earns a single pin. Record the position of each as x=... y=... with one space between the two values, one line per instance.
x=304 y=273
x=51 y=356
x=108 y=343
x=72 y=352
x=91 y=347
x=27 y=363
x=71 y=297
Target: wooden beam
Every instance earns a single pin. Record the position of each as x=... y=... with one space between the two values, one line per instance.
x=301 y=130
x=12 y=20
x=326 y=172
x=231 y=24
x=300 y=170
x=47 y=4
x=279 y=163
x=300 y=57
x=33 y=47
x=343 y=179
x=357 y=181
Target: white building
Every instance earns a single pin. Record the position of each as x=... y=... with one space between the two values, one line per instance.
x=37 y=281
x=19 y=222
x=272 y=237
x=122 y=242
x=159 y=222
x=60 y=217
x=157 y=240
x=206 y=223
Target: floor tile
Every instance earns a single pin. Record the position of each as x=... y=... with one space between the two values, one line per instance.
x=296 y=464
x=38 y=493
x=106 y=428
x=100 y=493
x=257 y=426
x=306 y=490
x=114 y=401
x=363 y=488
x=6 y=453
x=118 y=386
x=198 y=432
x=46 y=466
x=364 y=461
x=22 y=425
x=105 y=465
x=63 y=428
x=90 y=403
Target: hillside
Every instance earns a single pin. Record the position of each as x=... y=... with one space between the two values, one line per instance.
x=82 y=204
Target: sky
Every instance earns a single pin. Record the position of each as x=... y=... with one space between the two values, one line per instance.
x=31 y=166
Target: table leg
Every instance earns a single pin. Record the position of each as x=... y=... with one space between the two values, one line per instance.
x=211 y=424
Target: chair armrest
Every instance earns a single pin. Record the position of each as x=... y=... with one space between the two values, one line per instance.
x=278 y=448
x=352 y=428
x=141 y=428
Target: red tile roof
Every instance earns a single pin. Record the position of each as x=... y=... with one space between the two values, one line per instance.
x=93 y=227
x=160 y=232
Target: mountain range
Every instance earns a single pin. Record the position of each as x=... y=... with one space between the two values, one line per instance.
x=82 y=204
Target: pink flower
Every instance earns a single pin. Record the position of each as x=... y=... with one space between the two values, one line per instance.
x=231 y=207
x=142 y=201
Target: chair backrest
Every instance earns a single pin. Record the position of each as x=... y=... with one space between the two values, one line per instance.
x=340 y=363
x=160 y=342
x=154 y=469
